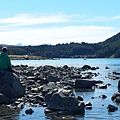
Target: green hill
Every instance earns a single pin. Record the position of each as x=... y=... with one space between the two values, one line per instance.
x=107 y=49
x=110 y=47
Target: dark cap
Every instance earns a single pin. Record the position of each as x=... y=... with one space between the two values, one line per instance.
x=4 y=49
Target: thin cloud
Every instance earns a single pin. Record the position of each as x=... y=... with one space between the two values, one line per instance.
x=27 y=19
x=101 y=19
x=90 y=34
x=26 y=29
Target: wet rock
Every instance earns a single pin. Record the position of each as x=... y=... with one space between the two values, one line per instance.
x=119 y=84
x=86 y=67
x=107 y=67
x=112 y=77
x=21 y=105
x=88 y=105
x=116 y=73
x=102 y=86
x=29 y=111
x=80 y=98
x=52 y=87
x=86 y=75
x=92 y=97
x=112 y=108
x=103 y=96
x=64 y=100
x=116 y=97
x=86 y=83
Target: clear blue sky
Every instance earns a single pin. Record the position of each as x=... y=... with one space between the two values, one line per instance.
x=36 y=22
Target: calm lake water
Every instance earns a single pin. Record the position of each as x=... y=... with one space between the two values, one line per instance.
x=98 y=111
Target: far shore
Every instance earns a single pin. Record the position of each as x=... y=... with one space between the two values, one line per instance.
x=26 y=57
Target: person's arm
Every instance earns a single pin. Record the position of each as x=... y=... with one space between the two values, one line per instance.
x=9 y=63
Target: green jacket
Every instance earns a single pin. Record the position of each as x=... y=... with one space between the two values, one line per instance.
x=5 y=61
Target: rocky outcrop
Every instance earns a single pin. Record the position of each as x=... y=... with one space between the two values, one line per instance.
x=51 y=87
x=64 y=100
x=10 y=85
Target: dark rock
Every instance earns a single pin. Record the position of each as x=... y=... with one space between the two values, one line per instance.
x=86 y=67
x=65 y=67
x=86 y=83
x=64 y=100
x=29 y=73
x=48 y=87
x=51 y=78
x=116 y=73
x=119 y=84
x=49 y=95
x=92 y=97
x=4 y=99
x=112 y=108
x=88 y=105
x=29 y=111
x=44 y=82
x=10 y=85
x=80 y=98
x=103 y=96
x=65 y=113
x=116 y=97
x=107 y=67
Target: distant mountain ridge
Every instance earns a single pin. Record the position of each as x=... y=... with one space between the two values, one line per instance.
x=110 y=48
x=113 y=38
x=19 y=44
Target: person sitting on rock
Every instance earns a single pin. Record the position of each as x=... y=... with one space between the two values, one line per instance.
x=5 y=62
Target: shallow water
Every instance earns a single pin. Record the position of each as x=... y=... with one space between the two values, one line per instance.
x=98 y=111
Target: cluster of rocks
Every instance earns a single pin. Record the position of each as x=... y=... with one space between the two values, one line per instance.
x=50 y=87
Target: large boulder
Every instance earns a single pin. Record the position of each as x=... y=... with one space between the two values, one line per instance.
x=86 y=83
x=4 y=99
x=64 y=100
x=10 y=85
x=49 y=87
x=116 y=97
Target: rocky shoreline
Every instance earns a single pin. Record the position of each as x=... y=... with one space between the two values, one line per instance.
x=53 y=88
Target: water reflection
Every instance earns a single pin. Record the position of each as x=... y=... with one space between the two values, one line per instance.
x=8 y=114
x=85 y=90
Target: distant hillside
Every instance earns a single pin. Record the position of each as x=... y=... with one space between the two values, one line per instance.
x=114 y=38
x=109 y=48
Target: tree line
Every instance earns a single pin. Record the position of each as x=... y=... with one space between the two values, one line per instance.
x=109 y=48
